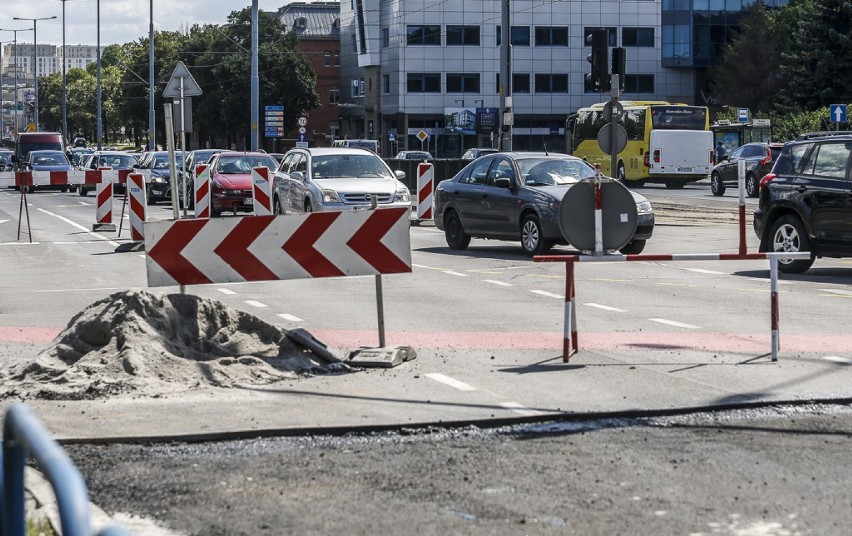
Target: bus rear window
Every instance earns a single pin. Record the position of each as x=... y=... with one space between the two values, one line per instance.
x=679 y=117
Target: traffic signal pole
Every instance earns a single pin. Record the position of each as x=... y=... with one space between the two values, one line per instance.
x=613 y=132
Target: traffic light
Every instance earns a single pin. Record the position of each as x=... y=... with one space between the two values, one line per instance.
x=619 y=60
x=598 y=77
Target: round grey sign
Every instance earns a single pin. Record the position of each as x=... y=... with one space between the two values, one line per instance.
x=618 y=215
x=605 y=138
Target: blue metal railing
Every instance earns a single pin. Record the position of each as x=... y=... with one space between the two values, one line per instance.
x=25 y=435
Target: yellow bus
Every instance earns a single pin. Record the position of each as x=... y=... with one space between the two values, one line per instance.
x=666 y=143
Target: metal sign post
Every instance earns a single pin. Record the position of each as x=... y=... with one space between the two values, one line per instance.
x=180 y=86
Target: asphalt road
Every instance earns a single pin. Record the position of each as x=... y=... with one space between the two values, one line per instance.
x=487 y=326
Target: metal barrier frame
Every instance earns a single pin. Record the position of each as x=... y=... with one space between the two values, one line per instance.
x=570 y=344
x=24 y=435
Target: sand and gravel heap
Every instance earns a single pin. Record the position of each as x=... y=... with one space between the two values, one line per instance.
x=141 y=344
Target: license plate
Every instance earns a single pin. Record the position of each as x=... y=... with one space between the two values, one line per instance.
x=684 y=170
x=248 y=201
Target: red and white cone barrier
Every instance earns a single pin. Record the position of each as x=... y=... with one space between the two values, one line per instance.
x=425 y=185
x=201 y=191
x=261 y=191
x=103 y=213
x=138 y=205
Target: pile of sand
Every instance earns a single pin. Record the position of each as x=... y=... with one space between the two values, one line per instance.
x=137 y=343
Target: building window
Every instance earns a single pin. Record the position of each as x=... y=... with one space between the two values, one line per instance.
x=551 y=83
x=520 y=36
x=462 y=83
x=358 y=87
x=520 y=83
x=334 y=94
x=328 y=58
x=612 y=32
x=637 y=37
x=638 y=83
x=551 y=36
x=385 y=37
x=354 y=44
x=385 y=84
x=463 y=35
x=424 y=83
x=423 y=35
x=337 y=58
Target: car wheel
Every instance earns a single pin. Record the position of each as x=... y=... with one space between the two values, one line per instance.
x=63 y=189
x=635 y=247
x=215 y=213
x=308 y=207
x=276 y=205
x=83 y=191
x=789 y=235
x=532 y=236
x=620 y=174
x=716 y=185
x=454 y=231
x=751 y=185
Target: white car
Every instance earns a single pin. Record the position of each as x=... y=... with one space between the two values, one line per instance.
x=335 y=178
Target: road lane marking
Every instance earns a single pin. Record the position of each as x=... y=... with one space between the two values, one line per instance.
x=605 y=307
x=548 y=294
x=19 y=243
x=290 y=318
x=255 y=303
x=607 y=280
x=837 y=292
x=458 y=274
x=838 y=359
x=685 y=285
x=227 y=291
x=498 y=283
x=673 y=323
x=446 y=380
x=4 y=221
x=703 y=271
x=78 y=226
x=518 y=408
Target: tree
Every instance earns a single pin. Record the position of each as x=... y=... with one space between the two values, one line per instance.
x=818 y=64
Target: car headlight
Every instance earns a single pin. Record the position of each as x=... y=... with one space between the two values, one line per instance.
x=644 y=207
x=330 y=196
x=554 y=205
x=158 y=179
x=402 y=195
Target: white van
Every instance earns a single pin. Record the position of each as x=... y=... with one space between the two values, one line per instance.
x=370 y=145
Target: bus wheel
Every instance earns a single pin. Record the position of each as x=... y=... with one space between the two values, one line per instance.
x=620 y=174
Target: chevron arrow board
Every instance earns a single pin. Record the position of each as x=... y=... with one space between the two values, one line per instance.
x=268 y=248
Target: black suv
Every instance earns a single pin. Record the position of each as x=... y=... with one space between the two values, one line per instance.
x=759 y=158
x=806 y=201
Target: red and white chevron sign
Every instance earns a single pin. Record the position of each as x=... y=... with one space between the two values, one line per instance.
x=425 y=185
x=268 y=248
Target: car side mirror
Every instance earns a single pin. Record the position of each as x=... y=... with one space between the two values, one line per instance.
x=399 y=174
x=503 y=182
x=297 y=176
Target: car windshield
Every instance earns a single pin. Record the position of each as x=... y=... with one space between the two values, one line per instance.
x=348 y=165
x=232 y=165
x=162 y=162
x=49 y=159
x=554 y=171
x=117 y=161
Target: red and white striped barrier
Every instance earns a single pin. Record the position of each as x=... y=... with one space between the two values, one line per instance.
x=266 y=248
x=261 y=191
x=425 y=186
x=201 y=191
x=138 y=205
x=570 y=345
x=103 y=212
x=9 y=179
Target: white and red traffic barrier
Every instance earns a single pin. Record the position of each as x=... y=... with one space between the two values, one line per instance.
x=138 y=205
x=261 y=191
x=570 y=340
x=201 y=191
x=103 y=210
x=425 y=187
x=266 y=248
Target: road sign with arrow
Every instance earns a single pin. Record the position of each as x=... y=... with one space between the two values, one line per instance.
x=180 y=76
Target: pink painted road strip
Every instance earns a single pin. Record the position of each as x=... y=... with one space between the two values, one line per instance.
x=468 y=340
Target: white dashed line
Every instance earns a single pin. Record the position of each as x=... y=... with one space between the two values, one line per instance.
x=846 y=293
x=703 y=271
x=673 y=323
x=446 y=380
x=255 y=303
x=838 y=359
x=290 y=318
x=498 y=283
x=548 y=294
x=605 y=307
x=19 y=243
x=518 y=408
x=459 y=274
x=227 y=291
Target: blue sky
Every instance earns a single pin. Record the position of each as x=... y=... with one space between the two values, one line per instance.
x=121 y=20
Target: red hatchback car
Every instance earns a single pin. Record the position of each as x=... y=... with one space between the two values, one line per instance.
x=230 y=180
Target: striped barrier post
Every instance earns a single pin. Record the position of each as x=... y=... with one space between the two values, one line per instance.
x=261 y=191
x=201 y=191
x=103 y=211
x=425 y=187
x=138 y=205
x=570 y=344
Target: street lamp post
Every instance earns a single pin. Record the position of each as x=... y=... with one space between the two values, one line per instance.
x=100 y=124
x=152 y=142
x=255 y=92
x=35 y=65
x=64 y=80
x=15 y=51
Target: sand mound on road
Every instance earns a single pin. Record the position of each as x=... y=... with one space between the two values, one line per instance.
x=135 y=342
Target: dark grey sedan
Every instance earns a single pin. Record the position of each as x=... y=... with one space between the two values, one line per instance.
x=516 y=196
